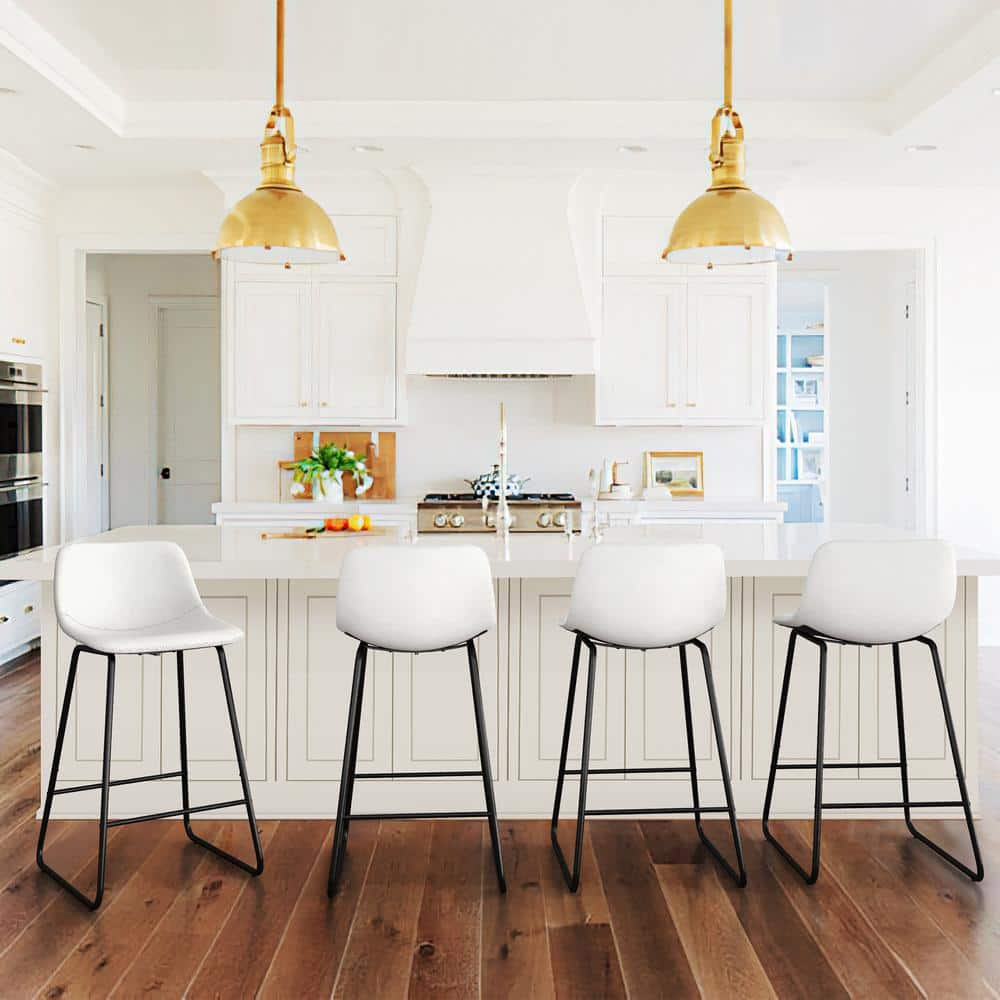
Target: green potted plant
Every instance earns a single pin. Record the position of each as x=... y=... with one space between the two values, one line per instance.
x=324 y=472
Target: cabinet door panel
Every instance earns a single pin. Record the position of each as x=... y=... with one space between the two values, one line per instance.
x=725 y=350
x=774 y=597
x=655 y=733
x=640 y=376
x=546 y=655
x=369 y=243
x=926 y=739
x=135 y=740
x=356 y=333
x=270 y=341
x=210 y=744
x=634 y=246
x=433 y=687
x=320 y=669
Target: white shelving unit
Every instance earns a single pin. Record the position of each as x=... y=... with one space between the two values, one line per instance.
x=802 y=463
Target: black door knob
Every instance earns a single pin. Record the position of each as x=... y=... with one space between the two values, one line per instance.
x=165 y=472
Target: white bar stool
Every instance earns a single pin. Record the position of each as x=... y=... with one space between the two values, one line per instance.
x=413 y=599
x=137 y=598
x=873 y=594
x=646 y=597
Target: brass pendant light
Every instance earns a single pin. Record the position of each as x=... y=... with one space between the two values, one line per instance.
x=277 y=223
x=728 y=224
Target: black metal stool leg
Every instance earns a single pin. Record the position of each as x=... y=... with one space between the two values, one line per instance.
x=484 y=761
x=234 y=726
x=738 y=874
x=975 y=874
x=573 y=878
x=102 y=850
x=348 y=769
x=813 y=874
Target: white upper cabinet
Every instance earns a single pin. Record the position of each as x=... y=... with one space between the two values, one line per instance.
x=679 y=345
x=356 y=339
x=634 y=247
x=316 y=344
x=271 y=348
x=641 y=350
x=725 y=350
x=369 y=244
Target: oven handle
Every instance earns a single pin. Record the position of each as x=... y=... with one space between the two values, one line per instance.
x=21 y=395
x=19 y=492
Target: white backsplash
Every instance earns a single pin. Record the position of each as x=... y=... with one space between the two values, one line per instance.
x=452 y=434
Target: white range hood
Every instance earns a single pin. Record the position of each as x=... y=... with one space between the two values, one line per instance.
x=498 y=291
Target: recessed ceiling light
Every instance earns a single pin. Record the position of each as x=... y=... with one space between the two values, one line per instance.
x=85 y=146
x=362 y=147
x=632 y=149
x=921 y=147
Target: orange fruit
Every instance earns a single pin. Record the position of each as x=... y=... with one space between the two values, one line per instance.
x=368 y=521
x=356 y=522
x=336 y=523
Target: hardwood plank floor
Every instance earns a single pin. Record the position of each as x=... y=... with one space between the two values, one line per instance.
x=418 y=914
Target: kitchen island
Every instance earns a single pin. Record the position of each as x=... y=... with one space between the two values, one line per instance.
x=291 y=677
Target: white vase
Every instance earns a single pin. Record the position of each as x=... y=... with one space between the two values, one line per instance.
x=328 y=488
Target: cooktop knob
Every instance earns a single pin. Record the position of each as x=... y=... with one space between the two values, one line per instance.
x=544 y=519
x=491 y=521
x=457 y=520
x=440 y=520
x=560 y=519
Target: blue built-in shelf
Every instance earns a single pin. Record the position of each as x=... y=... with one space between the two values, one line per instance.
x=801 y=413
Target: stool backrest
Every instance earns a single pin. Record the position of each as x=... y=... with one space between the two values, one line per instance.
x=122 y=585
x=648 y=596
x=879 y=591
x=415 y=598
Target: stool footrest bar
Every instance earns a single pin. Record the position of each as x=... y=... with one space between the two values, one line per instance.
x=423 y=815
x=838 y=766
x=630 y=770
x=678 y=811
x=422 y=774
x=166 y=814
x=890 y=805
x=119 y=781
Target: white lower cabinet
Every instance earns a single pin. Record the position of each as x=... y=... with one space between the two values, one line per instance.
x=544 y=664
x=860 y=701
x=319 y=671
x=292 y=674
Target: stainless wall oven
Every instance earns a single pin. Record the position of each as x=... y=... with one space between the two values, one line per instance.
x=21 y=486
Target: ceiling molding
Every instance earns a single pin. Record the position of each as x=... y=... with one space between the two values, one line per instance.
x=34 y=46
x=944 y=71
x=503 y=119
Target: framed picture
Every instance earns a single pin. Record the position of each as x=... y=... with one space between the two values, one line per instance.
x=682 y=472
x=806 y=390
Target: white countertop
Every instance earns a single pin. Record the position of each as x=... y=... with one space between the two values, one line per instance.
x=237 y=552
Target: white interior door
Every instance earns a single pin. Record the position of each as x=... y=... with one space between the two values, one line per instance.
x=189 y=408
x=97 y=499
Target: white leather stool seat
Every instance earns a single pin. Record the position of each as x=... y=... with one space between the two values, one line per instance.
x=877 y=592
x=648 y=596
x=415 y=598
x=134 y=597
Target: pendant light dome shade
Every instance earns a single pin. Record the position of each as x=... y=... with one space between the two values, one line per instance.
x=728 y=224
x=277 y=223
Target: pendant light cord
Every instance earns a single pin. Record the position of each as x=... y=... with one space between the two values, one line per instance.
x=727 y=86
x=279 y=72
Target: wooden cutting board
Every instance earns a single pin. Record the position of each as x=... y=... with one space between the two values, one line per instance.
x=382 y=467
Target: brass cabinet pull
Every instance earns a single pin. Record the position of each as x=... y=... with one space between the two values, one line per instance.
x=18 y=340
x=303 y=404
x=28 y=608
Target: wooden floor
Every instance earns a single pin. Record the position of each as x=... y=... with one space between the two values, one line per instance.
x=419 y=913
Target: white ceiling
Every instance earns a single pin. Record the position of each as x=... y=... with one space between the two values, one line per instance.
x=832 y=90
x=150 y=50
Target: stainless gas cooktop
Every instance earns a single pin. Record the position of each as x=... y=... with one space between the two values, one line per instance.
x=451 y=512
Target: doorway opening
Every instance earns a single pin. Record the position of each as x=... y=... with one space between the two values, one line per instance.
x=851 y=388
x=153 y=390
